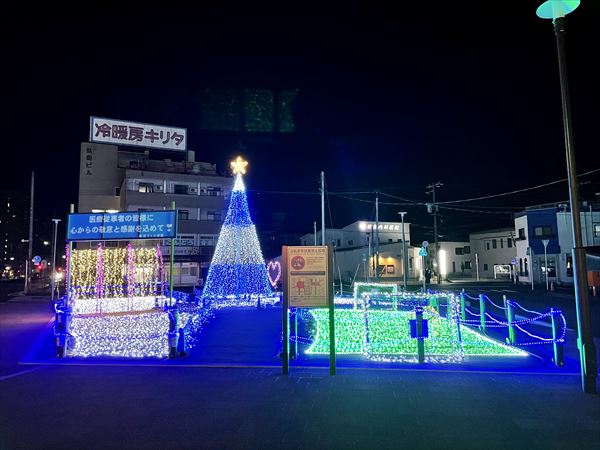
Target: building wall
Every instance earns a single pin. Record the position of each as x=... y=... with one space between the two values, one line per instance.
x=99 y=177
x=200 y=196
x=453 y=254
x=494 y=247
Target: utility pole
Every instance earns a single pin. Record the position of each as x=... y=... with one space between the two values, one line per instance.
x=377 y=236
x=433 y=210
x=315 y=228
x=404 y=255
x=323 y=208
x=27 y=289
x=54 y=257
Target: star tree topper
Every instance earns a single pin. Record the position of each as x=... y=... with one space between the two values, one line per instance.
x=239 y=166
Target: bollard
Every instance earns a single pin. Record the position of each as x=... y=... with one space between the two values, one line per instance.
x=594 y=291
x=173 y=313
x=510 y=318
x=181 y=350
x=420 y=339
x=62 y=323
x=482 y=311
x=552 y=286
x=559 y=347
x=462 y=306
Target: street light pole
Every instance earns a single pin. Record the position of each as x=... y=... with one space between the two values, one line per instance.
x=54 y=256
x=557 y=10
x=545 y=242
x=404 y=255
x=27 y=289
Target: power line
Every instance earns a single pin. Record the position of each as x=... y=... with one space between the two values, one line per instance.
x=518 y=190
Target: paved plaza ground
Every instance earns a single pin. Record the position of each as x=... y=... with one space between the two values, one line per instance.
x=166 y=406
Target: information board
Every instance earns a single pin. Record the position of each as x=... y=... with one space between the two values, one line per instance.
x=308 y=276
x=122 y=225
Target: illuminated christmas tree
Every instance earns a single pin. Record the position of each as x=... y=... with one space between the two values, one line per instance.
x=237 y=269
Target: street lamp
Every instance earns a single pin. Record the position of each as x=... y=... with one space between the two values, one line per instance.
x=557 y=10
x=404 y=255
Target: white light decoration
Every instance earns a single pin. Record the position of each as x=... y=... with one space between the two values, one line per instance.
x=237 y=269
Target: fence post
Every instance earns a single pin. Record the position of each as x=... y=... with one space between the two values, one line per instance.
x=559 y=348
x=462 y=306
x=482 y=312
x=420 y=339
x=510 y=315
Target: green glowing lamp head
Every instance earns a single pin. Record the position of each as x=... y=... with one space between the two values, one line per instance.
x=553 y=9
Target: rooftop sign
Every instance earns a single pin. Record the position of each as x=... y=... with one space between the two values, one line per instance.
x=123 y=132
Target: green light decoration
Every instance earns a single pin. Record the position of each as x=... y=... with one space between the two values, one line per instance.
x=286 y=119
x=258 y=109
x=381 y=333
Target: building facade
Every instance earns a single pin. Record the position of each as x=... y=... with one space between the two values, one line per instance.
x=114 y=179
x=492 y=252
x=552 y=225
x=454 y=259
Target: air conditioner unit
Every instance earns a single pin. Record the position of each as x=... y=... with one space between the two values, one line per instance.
x=158 y=187
x=193 y=190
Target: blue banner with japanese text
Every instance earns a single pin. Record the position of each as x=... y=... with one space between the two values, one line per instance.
x=122 y=225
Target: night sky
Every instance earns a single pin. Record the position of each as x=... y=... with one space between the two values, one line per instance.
x=390 y=98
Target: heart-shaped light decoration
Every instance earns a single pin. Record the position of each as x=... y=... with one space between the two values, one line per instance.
x=274 y=272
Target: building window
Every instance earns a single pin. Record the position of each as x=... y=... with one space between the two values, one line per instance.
x=597 y=230
x=214 y=191
x=487 y=245
x=180 y=189
x=485 y=267
x=214 y=215
x=350 y=242
x=390 y=241
x=501 y=243
x=467 y=250
x=117 y=191
x=468 y=265
x=494 y=243
x=544 y=231
x=458 y=250
x=146 y=187
x=521 y=233
x=183 y=214
x=509 y=242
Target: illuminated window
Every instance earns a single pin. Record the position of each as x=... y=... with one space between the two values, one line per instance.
x=597 y=230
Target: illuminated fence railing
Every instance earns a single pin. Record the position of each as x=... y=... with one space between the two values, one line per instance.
x=510 y=322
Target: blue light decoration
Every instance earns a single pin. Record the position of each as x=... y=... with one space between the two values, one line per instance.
x=237 y=273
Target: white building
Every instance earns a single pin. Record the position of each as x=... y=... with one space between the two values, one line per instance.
x=552 y=224
x=454 y=259
x=114 y=179
x=492 y=252
x=355 y=249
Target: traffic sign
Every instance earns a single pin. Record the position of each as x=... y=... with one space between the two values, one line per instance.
x=513 y=261
x=423 y=251
x=425 y=244
x=37 y=259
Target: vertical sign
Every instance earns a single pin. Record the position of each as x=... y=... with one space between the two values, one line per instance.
x=307 y=283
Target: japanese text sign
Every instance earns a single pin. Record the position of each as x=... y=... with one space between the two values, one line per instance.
x=122 y=132
x=122 y=225
x=308 y=276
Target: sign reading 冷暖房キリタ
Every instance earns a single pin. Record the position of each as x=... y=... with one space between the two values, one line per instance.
x=308 y=276
x=122 y=225
x=123 y=132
